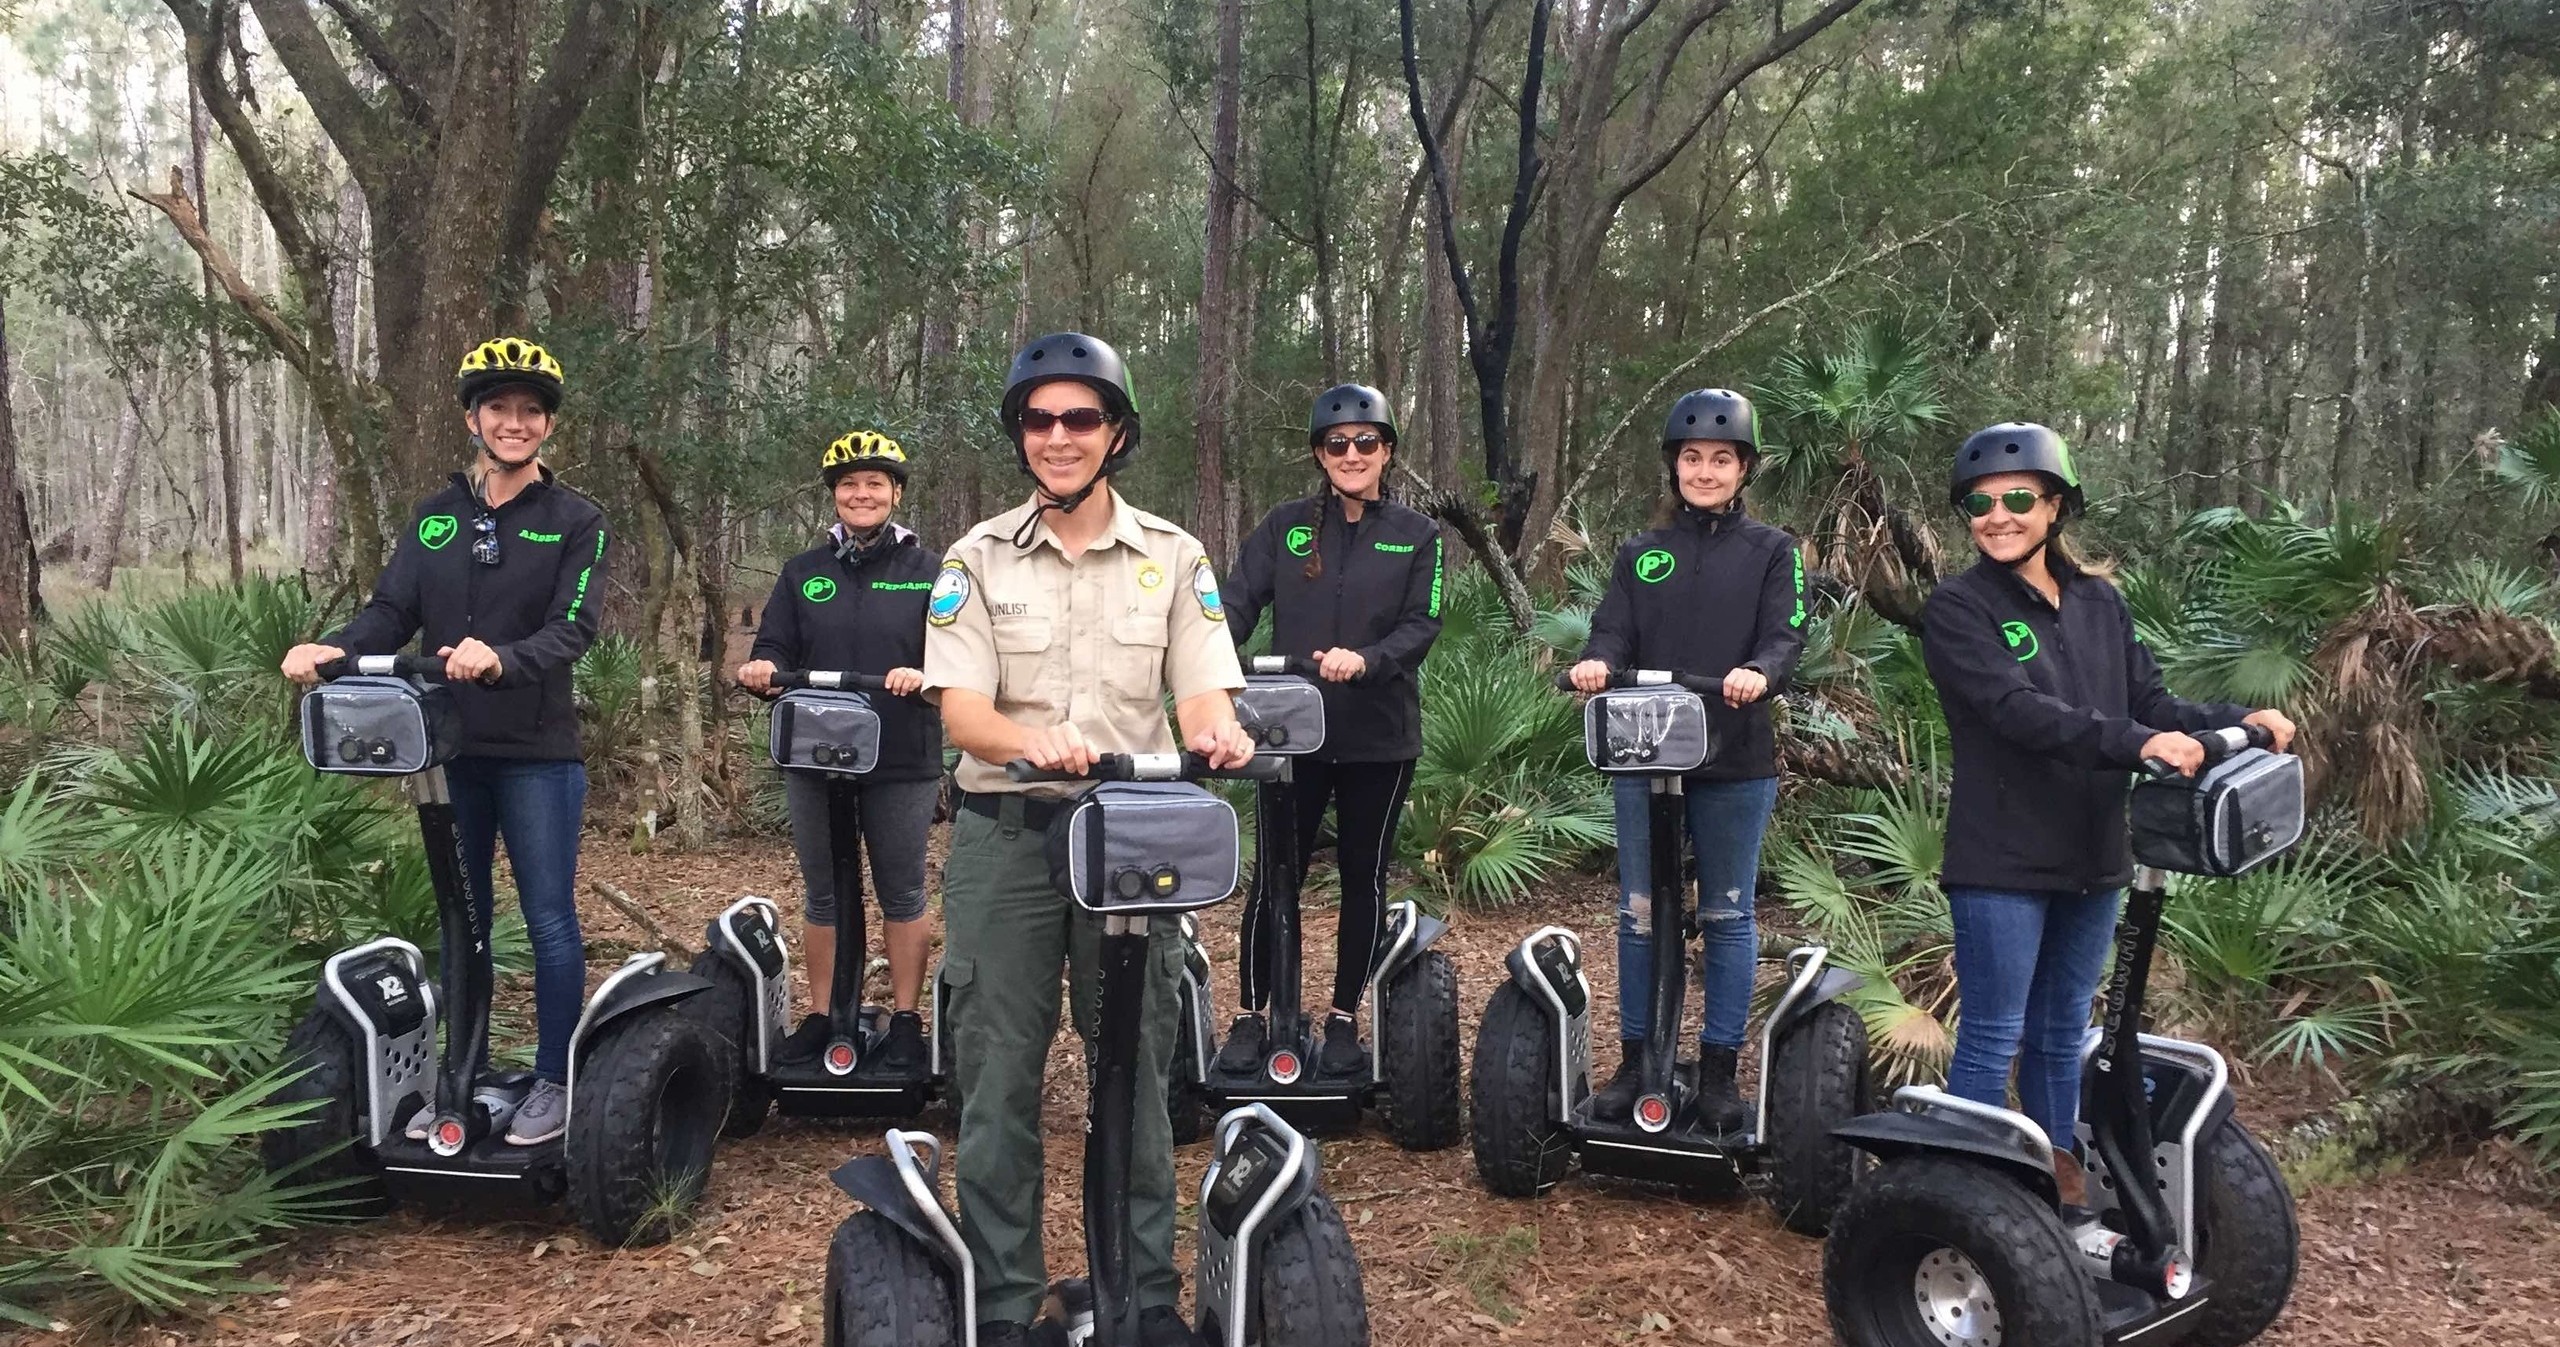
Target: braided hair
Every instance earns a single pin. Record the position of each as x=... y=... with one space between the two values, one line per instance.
x=1317 y=505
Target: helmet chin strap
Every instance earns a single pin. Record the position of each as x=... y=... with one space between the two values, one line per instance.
x=1050 y=500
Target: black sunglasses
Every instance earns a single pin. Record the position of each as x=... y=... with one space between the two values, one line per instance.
x=484 y=548
x=1077 y=420
x=1367 y=442
x=2017 y=500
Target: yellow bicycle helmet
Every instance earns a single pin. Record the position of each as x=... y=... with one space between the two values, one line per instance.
x=502 y=361
x=863 y=449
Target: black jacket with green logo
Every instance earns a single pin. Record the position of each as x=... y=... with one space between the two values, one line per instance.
x=1377 y=592
x=1707 y=594
x=536 y=607
x=828 y=613
x=2047 y=711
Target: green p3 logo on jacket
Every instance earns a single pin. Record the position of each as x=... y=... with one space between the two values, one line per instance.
x=1653 y=566
x=436 y=530
x=1299 y=539
x=2021 y=639
x=818 y=589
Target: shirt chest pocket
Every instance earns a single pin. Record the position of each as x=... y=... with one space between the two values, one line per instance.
x=1022 y=654
x=1133 y=665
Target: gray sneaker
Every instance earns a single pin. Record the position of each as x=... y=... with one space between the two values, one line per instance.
x=544 y=1114
x=419 y=1121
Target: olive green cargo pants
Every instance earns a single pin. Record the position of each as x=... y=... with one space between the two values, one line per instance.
x=1006 y=936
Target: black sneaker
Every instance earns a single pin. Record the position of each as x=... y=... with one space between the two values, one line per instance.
x=1720 y=1107
x=903 y=1053
x=1241 y=1055
x=804 y=1043
x=1616 y=1101
x=1162 y=1326
x=1342 y=1055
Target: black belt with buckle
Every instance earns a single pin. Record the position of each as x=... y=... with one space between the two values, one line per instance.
x=1036 y=813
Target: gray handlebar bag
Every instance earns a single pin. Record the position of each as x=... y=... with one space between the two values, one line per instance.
x=1283 y=714
x=371 y=725
x=1647 y=731
x=2226 y=820
x=832 y=733
x=1144 y=846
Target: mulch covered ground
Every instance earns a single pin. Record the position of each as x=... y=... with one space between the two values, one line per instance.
x=2455 y=1249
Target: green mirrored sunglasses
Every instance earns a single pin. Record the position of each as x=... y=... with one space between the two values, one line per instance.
x=2016 y=500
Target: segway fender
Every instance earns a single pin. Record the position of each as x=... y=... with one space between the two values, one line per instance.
x=1830 y=984
x=1409 y=932
x=637 y=994
x=872 y=1180
x=1896 y=1132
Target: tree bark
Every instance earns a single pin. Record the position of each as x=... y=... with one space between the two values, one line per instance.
x=217 y=361
x=21 y=588
x=107 y=542
x=1218 y=308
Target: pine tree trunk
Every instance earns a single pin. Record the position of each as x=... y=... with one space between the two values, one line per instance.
x=21 y=590
x=108 y=540
x=217 y=363
x=1218 y=307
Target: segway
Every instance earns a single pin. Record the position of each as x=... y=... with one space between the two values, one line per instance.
x=1532 y=1083
x=646 y=1086
x=823 y=724
x=1412 y=1078
x=1959 y=1238
x=1275 y=1263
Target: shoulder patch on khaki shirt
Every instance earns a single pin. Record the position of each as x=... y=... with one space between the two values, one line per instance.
x=1204 y=586
x=950 y=593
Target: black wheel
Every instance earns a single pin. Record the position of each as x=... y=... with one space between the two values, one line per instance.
x=730 y=1008
x=2250 y=1244
x=1937 y=1252
x=1418 y=1044
x=1520 y=1141
x=1187 y=1100
x=1817 y=1081
x=886 y=1290
x=647 y=1110
x=1307 y=1281
x=322 y=1147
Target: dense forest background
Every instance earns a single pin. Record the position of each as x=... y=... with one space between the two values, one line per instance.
x=2287 y=273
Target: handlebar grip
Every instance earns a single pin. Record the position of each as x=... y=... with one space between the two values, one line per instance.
x=1300 y=665
x=1022 y=771
x=829 y=678
x=1183 y=766
x=1649 y=678
x=1564 y=680
x=2158 y=769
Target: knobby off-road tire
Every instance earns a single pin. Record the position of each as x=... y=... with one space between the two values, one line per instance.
x=1521 y=1149
x=730 y=1009
x=1307 y=1282
x=1186 y=1101
x=1911 y=1207
x=2251 y=1245
x=886 y=1290
x=647 y=1112
x=322 y=1147
x=1817 y=1081
x=1418 y=1042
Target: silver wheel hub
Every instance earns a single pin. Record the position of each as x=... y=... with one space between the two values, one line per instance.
x=1954 y=1300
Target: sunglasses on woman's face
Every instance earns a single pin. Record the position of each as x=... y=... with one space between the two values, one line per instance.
x=1367 y=442
x=1077 y=420
x=2016 y=500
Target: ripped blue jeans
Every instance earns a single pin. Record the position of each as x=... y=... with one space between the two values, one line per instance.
x=1726 y=821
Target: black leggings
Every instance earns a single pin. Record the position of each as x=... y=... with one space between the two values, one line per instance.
x=1368 y=801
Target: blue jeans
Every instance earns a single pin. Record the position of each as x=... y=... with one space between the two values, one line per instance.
x=1726 y=820
x=2027 y=970
x=539 y=806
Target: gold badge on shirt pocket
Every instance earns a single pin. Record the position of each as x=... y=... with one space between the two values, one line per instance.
x=1150 y=576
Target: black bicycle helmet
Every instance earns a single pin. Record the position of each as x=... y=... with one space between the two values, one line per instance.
x=1714 y=414
x=1349 y=404
x=1087 y=360
x=2016 y=446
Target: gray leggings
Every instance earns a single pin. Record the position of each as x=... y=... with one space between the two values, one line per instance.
x=896 y=815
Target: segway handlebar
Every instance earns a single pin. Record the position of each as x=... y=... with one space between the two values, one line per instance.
x=1299 y=665
x=1648 y=678
x=428 y=667
x=2218 y=744
x=835 y=680
x=1183 y=766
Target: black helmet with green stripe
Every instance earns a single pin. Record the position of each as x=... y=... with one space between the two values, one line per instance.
x=2016 y=446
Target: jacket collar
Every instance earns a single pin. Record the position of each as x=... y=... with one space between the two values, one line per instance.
x=1710 y=523
x=471 y=490
x=2007 y=579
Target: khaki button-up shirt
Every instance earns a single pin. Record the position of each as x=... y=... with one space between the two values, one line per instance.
x=1098 y=639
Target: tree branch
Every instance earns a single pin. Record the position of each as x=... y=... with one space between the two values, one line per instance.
x=591 y=43
x=1778 y=46
x=180 y=207
x=368 y=39
x=352 y=124
x=1441 y=195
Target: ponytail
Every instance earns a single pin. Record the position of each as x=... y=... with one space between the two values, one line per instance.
x=1316 y=507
